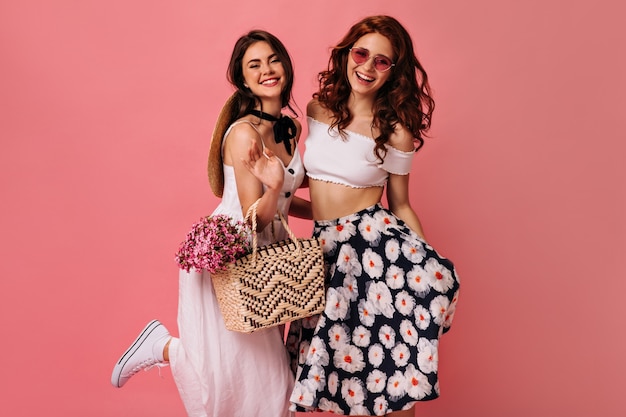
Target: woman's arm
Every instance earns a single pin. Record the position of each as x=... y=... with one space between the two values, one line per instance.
x=398 y=185
x=399 y=204
x=252 y=170
x=300 y=208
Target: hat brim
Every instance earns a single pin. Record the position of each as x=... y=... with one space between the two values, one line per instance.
x=215 y=166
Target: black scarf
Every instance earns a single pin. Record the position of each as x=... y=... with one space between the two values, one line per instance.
x=284 y=128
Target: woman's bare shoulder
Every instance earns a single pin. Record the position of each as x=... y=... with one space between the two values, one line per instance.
x=242 y=131
x=315 y=110
x=402 y=139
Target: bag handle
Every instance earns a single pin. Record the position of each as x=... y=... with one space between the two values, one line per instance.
x=251 y=215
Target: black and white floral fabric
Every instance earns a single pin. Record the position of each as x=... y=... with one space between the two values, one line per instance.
x=390 y=297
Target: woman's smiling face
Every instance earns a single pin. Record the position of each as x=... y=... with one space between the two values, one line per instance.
x=263 y=71
x=364 y=78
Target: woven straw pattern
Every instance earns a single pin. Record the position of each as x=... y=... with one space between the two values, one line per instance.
x=273 y=285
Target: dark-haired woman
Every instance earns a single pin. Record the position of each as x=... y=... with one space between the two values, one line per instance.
x=219 y=372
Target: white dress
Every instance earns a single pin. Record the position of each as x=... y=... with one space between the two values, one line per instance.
x=218 y=372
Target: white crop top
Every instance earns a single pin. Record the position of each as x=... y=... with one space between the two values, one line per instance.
x=351 y=161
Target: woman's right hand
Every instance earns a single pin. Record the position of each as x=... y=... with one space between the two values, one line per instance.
x=266 y=167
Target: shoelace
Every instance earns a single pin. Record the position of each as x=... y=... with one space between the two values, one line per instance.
x=146 y=366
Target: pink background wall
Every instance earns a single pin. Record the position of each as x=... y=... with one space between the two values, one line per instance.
x=106 y=110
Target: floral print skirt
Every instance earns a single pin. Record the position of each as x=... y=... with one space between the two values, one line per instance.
x=390 y=297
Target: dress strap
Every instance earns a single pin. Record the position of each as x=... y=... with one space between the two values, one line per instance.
x=238 y=122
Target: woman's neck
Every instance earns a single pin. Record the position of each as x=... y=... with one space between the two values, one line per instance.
x=360 y=106
x=270 y=107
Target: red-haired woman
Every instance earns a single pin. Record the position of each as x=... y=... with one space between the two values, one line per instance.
x=390 y=294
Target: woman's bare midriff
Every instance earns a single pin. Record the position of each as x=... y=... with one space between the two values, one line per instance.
x=330 y=201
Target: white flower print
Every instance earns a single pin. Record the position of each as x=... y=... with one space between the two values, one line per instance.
x=408 y=332
x=348 y=261
x=299 y=372
x=370 y=304
x=439 y=308
x=336 y=304
x=352 y=391
x=404 y=303
x=338 y=336
x=418 y=281
x=327 y=242
x=394 y=277
x=359 y=410
x=317 y=354
x=427 y=355
x=441 y=276
x=451 y=310
x=352 y=288
x=327 y=405
x=310 y=322
x=384 y=220
x=417 y=385
x=387 y=336
x=400 y=354
x=455 y=299
x=372 y=263
x=333 y=381
x=302 y=394
x=349 y=358
x=369 y=230
x=413 y=251
x=317 y=377
x=367 y=313
x=392 y=250
x=361 y=336
x=303 y=351
x=322 y=321
x=379 y=295
x=343 y=231
x=376 y=381
x=332 y=268
x=422 y=317
x=292 y=343
x=375 y=355
x=380 y=406
x=295 y=325
x=396 y=386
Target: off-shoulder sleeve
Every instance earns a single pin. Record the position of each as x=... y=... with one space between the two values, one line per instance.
x=397 y=162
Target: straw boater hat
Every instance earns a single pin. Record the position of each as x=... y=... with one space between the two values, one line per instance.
x=215 y=166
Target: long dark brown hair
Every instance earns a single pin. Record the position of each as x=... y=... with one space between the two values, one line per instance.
x=246 y=100
x=242 y=101
x=406 y=96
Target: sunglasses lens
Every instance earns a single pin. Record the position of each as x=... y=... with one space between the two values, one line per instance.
x=381 y=63
x=360 y=55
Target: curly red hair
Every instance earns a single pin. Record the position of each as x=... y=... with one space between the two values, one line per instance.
x=405 y=98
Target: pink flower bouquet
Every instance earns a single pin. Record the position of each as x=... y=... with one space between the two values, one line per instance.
x=213 y=243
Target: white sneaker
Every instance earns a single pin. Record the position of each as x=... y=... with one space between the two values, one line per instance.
x=145 y=352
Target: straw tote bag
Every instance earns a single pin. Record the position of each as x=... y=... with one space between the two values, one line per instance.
x=273 y=284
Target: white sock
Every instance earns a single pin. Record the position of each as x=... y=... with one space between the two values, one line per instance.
x=159 y=345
